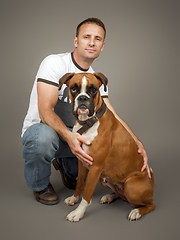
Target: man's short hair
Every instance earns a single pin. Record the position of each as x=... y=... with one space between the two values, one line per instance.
x=91 y=20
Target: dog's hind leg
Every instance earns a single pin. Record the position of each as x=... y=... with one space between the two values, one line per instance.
x=108 y=198
x=139 y=193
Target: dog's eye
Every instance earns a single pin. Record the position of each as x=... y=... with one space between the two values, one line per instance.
x=74 y=89
x=93 y=91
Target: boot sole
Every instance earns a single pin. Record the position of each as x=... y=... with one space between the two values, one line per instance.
x=50 y=203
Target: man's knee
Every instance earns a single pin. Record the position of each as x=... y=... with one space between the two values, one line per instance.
x=40 y=137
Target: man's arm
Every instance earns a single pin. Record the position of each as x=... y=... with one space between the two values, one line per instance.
x=141 y=149
x=47 y=99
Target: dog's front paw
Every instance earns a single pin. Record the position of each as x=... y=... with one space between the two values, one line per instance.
x=75 y=215
x=78 y=213
x=71 y=200
x=108 y=198
x=134 y=215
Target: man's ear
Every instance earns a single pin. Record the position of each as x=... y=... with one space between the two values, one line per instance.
x=103 y=79
x=65 y=78
x=75 y=42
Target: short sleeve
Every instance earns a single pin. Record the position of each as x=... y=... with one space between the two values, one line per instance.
x=51 y=69
x=103 y=93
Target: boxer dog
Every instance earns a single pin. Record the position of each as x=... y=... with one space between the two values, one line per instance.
x=117 y=163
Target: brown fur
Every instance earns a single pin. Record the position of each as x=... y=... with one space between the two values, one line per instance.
x=116 y=158
x=116 y=161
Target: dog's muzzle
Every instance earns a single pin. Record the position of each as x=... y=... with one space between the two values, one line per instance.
x=84 y=105
x=83 y=102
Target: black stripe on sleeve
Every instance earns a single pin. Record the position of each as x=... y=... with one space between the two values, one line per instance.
x=48 y=82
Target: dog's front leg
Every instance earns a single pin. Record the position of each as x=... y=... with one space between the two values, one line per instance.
x=82 y=174
x=78 y=213
x=93 y=177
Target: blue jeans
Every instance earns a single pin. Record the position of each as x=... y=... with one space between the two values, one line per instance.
x=41 y=144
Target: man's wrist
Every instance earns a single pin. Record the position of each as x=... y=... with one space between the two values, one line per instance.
x=67 y=135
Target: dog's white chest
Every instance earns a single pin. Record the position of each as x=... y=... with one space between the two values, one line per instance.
x=90 y=134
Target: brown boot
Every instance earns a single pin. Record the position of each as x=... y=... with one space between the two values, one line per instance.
x=67 y=181
x=47 y=196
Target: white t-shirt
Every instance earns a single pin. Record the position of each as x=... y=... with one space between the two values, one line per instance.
x=50 y=71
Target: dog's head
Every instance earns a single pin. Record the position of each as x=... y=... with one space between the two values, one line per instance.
x=84 y=92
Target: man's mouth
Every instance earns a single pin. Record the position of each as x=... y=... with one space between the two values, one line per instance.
x=91 y=50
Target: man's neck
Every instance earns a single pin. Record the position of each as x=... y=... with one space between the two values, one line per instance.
x=83 y=63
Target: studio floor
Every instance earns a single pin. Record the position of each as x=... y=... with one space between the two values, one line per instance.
x=24 y=218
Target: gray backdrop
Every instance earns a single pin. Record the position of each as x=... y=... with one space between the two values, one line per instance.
x=141 y=61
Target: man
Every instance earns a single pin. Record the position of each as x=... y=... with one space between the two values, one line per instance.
x=46 y=133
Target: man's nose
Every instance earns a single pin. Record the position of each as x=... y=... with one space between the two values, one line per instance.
x=92 y=42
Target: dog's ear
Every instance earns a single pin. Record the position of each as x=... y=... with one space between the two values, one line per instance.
x=103 y=79
x=65 y=78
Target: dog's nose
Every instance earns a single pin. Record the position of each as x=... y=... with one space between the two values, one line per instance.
x=82 y=98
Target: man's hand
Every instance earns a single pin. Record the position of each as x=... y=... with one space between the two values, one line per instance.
x=75 y=143
x=142 y=151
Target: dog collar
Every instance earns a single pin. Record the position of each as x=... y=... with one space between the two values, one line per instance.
x=90 y=122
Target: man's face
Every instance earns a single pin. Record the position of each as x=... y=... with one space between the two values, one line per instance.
x=90 y=41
